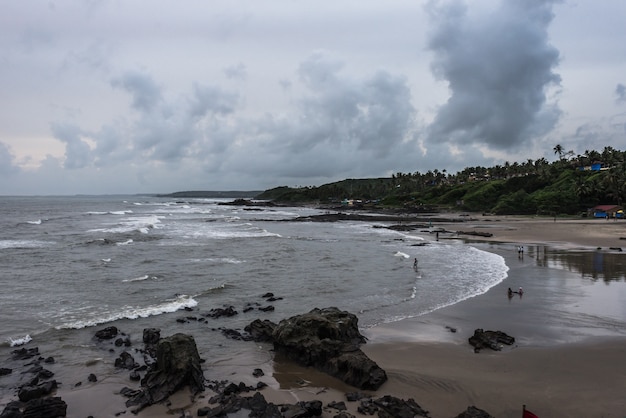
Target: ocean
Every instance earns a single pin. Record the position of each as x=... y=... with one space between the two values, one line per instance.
x=70 y=266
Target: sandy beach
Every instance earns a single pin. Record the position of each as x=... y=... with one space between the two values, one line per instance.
x=566 y=361
x=563 y=364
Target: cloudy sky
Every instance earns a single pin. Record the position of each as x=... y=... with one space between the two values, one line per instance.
x=100 y=96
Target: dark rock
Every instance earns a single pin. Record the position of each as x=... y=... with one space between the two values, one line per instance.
x=151 y=335
x=107 y=334
x=177 y=365
x=261 y=331
x=489 y=339
x=129 y=393
x=236 y=335
x=302 y=410
x=25 y=353
x=12 y=410
x=355 y=396
x=344 y=414
x=92 y=378
x=135 y=376
x=473 y=412
x=258 y=373
x=49 y=360
x=392 y=407
x=122 y=341
x=4 y=371
x=219 y=312
x=269 y=308
x=340 y=406
x=268 y=295
x=45 y=374
x=261 y=385
x=328 y=340
x=125 y=361
x=28 y=392
x=45 y=408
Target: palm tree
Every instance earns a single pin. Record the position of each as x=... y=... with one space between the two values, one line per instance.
x=558 y=149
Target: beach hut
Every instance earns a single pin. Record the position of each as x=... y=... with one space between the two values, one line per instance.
x=607 y=211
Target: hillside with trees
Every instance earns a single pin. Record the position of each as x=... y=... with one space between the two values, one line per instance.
x=570 y=185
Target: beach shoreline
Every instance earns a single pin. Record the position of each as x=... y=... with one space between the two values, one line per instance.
x=566 y=361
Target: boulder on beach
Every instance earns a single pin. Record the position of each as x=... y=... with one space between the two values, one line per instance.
x=177 y=365
x=490 y=339
x=327 y=339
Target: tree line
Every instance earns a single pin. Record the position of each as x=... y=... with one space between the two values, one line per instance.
x=571 y=184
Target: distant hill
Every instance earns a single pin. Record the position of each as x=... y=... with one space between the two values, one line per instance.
x=230 y=194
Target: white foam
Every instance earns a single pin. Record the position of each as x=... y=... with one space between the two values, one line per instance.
x=140 y=279
x=401 y=254
x=142 y=224
x=37 y=222
x=10 y=243
x=130 y=312
x=127 y=242
x=15 y=342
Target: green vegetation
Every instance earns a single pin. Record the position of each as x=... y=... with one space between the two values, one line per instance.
x=565 y=186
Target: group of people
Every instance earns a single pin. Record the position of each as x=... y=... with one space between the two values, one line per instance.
x=520 y=251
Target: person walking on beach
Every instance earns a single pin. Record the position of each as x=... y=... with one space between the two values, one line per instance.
x=415 y=264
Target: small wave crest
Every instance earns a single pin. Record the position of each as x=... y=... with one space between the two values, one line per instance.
x=19 y=243
x=16 y=342
x=139 y=279
x=37 y=222
x=401 y=254
x=129 y=312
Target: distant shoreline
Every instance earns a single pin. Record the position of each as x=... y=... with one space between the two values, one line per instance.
x=213 y=194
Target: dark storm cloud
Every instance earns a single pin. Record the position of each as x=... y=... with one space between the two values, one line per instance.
x=372 y=114
x=162 y=129
x=498 y=66
x=620 y=92
x=146 y=94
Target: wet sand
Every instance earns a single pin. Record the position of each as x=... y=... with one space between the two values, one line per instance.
x=567 y=360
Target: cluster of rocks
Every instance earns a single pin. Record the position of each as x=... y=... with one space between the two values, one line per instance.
x=230 y=311
x=33 y=395
x=326 y=339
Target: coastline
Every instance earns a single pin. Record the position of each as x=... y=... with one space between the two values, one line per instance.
x=566 y=362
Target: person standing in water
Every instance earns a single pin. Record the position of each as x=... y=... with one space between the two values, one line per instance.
x=415 y=264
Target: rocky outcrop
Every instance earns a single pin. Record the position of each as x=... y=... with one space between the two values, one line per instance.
x=489 y=339
x=473 y=412
x=327 y=339
x=177 y=365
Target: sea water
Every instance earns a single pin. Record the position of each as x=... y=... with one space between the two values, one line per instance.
x=70 y=266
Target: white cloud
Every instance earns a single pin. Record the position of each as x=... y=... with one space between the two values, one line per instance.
x=105 y=97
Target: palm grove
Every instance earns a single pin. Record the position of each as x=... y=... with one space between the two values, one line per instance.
x=570 y=185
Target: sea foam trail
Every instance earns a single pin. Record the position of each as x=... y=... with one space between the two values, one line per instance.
x=181 y=302
x=15 y=342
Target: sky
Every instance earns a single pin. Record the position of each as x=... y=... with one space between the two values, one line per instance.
x=138 y=96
